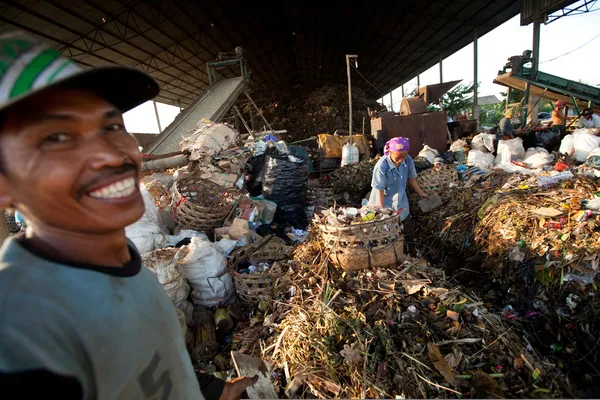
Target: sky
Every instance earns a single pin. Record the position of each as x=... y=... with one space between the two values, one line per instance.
x=577 y=35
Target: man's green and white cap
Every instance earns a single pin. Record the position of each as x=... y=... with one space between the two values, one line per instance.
x=28 y=66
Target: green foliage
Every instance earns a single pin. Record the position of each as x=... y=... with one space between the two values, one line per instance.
x=458 y=99
x=491 y=114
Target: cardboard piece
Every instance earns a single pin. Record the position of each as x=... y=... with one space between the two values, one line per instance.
x=239 y=229
x=431 y=203
x=249 y=366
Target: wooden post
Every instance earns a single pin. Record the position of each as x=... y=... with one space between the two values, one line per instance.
x=349 y=96
x=157 y=117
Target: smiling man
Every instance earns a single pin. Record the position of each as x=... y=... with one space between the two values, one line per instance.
x=80 y=318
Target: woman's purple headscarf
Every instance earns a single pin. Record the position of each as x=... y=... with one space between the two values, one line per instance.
x=396 y=144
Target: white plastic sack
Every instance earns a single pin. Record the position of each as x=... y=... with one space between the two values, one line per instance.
x=515 y=169
x=162 y=241
x=584 y=144
x=510 y=150
x=594 y=153
x=483 y=142
x=142 y=232
x=350 y=154
x=429 y=153
x=162 y=263
x=537 y=157
x=226 y=246
x=459 y=145
x=208 y=140
x=205 y=268
x=566 y=145
x=480 y=159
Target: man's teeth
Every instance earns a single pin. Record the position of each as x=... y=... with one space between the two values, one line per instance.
x=117 y=190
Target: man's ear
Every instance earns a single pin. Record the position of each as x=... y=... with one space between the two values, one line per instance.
x=6 y=200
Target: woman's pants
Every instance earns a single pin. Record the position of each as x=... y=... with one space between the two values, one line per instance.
x=409 y=236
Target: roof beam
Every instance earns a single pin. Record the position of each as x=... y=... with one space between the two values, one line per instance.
x=68 y=45
x=384 y=68
x=137 y=31
x=72 y=31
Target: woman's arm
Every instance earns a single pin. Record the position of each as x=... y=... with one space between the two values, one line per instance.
x=415 y=185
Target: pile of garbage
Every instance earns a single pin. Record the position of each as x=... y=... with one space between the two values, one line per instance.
x=307 y=111
x=402 y=332
x=528 y=246
x=352 y=181
x=345 y=216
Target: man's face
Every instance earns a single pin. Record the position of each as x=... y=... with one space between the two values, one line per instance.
x=69 y=163
x=588 y=117
x=398 y=156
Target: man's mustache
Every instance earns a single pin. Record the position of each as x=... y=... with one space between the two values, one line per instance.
x=106 y=173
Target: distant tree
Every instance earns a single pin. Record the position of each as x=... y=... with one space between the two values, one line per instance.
x=458 y=100
x=491 y=114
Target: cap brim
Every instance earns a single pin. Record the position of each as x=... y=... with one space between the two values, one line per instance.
x=123 y=87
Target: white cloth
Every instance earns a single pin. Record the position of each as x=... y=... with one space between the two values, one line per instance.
x=589 y=123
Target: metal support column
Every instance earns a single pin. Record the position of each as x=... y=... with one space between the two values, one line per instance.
x=475 y=79
x=533 y=102
x=391 y=101
x=403 y=90
x=441 y=70
x=419 y=79
x=157 y=117
x=349 y=98
x=348 y=56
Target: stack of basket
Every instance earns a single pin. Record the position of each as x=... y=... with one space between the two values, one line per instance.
x=359 y=246
x=200 y=204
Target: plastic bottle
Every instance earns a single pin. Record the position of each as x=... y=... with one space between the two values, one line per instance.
x=554 y=225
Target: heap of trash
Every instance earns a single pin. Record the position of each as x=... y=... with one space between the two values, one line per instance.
x=260 y=259
x=307 y=111
x=397 y=333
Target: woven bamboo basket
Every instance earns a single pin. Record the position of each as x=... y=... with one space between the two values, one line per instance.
x=274 y=250
x=200 y=204
x=372 y=244
x=253 y=288
x=438 y=178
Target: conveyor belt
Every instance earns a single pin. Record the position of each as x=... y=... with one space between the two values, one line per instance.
x=212 y=105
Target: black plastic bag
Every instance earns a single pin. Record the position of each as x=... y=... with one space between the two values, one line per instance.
x=254 y=168
x=284 y=182
x=448 y=157
x=547 y=139
x=421 y=164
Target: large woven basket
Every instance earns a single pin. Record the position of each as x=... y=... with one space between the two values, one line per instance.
x=438 y=178
x=372 y=244
x=253 y=288
x=200 y=204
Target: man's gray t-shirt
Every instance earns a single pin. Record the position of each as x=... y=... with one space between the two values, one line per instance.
x=112 y=329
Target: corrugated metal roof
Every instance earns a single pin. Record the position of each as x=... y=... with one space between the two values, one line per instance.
x=285 y=42
x=486 y=100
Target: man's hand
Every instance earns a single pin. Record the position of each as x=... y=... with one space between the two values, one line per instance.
x=423 y=195
x=235 y=388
